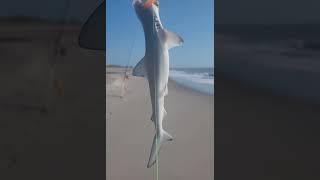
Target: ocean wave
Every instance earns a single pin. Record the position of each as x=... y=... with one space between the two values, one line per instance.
x=196 y=77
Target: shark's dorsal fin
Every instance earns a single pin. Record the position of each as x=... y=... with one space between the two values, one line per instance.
x=139 y=70
x=171 y=39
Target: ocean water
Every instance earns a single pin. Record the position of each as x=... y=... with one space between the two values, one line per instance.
x=200 y=79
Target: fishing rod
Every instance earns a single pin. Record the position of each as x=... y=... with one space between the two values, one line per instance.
x=126 y=76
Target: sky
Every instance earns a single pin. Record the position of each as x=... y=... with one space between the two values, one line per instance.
x=191 y=19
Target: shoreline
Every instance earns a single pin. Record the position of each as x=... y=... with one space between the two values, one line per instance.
x=187 y=88
x=119 y=70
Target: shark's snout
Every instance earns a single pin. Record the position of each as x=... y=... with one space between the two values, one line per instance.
x=148 y=3
x=145 y=3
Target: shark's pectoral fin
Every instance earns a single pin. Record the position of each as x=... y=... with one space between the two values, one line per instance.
x=172 y=39
x=140 y=70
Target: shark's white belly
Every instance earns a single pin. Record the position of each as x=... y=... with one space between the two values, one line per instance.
x=158 y=75
x=158 y=69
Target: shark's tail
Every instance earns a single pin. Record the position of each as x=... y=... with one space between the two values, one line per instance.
x=158 y=141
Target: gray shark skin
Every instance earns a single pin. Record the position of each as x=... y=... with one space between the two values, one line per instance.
x=155 y=67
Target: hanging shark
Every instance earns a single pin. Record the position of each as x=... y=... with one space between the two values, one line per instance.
x=155 y=67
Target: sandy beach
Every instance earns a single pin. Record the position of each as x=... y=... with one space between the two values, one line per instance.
x=130 y=131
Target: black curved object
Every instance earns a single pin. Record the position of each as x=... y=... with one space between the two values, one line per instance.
x=93 y=32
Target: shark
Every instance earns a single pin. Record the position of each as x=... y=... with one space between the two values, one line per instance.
x=154 y=66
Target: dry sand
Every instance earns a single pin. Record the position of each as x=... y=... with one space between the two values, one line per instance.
x=130 y=132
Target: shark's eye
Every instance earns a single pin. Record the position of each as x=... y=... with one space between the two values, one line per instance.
x=156 y=3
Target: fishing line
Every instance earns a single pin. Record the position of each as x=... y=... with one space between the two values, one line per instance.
x=128 y=61
x=155 y=108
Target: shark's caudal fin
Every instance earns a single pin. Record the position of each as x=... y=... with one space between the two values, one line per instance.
x=139 y=70
x=171 y=39
x=156 y=146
